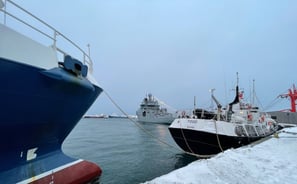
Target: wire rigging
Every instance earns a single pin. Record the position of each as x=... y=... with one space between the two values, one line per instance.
x=162 y=141
x=149 y=133
x=137 y=124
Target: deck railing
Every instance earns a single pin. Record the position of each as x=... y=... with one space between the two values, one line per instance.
x=85 y=56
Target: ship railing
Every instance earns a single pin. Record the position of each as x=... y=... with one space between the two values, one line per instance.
x=246 y=130
x=85 y=56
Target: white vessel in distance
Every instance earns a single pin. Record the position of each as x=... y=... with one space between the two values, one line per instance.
x=151 y=111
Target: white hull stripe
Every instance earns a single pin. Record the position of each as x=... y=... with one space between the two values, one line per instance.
x=34 y=178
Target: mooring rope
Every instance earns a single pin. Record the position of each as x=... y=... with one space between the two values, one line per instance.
x=217 y=135
x=283 y=131
x=138 y=125
x=188 y=146
x=184 y=137
x=293 y=133
x=158 y=139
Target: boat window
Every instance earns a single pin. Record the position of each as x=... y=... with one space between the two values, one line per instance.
x=251 y=130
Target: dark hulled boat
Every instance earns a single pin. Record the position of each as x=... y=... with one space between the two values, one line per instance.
x=209 y=133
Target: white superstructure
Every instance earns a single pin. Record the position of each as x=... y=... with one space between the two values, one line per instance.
x=207 y=133
x=151 y=111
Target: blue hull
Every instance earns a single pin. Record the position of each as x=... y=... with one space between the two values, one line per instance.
x=39 y=108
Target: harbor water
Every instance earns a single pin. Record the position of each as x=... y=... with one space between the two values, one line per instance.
x=126 y=153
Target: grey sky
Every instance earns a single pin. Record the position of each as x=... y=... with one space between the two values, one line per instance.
x=177 y=49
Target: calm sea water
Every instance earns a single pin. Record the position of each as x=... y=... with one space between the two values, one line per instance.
x=126 y=154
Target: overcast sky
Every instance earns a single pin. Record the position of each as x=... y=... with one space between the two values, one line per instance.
x=178 y=49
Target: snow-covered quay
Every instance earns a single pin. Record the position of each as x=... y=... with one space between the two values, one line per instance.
x=271 y=161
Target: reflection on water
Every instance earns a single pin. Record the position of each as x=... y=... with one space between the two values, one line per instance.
x=126 y=153
x=183 y=159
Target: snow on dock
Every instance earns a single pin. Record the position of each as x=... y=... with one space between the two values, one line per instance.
x=271 y=161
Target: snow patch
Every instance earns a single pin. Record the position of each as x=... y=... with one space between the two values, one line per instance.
x=272 y=161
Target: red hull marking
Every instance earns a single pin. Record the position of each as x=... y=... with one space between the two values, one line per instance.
x=81 y=172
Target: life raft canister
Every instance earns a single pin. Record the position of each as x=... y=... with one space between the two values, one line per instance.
x=250 y=117
x=262 y=119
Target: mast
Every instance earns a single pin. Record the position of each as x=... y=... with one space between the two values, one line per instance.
x=293 y=97
x=236 y=99
x=254 y=92
x=194 y=102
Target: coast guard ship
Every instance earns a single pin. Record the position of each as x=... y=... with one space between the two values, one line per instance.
x=42 y=99
x=150 y=111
